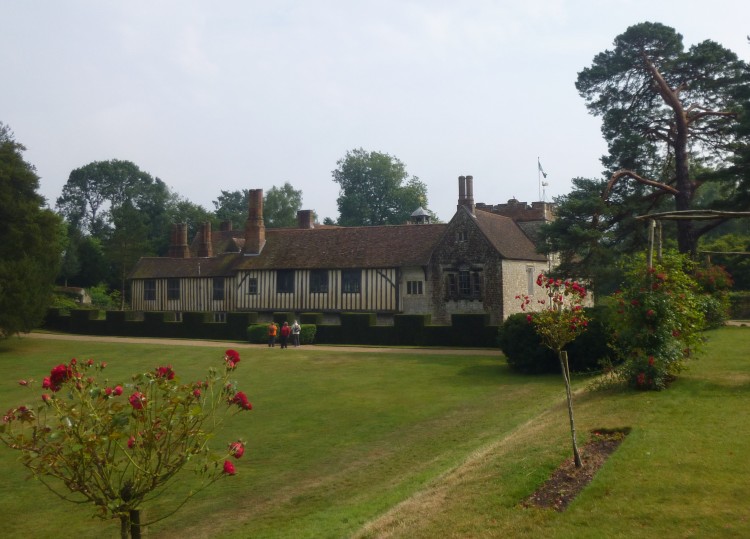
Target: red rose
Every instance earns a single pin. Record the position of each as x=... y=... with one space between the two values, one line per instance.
x=137 y=400
x=237 y=449
x=197 y=393
x=228 y=468
x=58 y=376
x=165 y=372
x=46 y=398
x=240 y=399
x=131 y=442
x=117 y=391
x=232 y=357
x=107 y=391
x=47 y=383
x=23 y=382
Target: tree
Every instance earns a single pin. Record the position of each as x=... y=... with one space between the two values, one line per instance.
x=232 y=206
x=558 y=324
x=375 y=189
x=30 y=242
x=95 y=193
x=667 y=113
x=280 y=206
x=127 y=243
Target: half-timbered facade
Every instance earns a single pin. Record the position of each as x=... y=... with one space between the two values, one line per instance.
x=476 y=263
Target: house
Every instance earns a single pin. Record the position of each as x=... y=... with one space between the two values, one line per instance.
x=477 y=263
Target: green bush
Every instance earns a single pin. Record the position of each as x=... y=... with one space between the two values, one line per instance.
x=257 y=333
x=525 y=352
x=307 y=333
x=523 y=349
x=658 y=320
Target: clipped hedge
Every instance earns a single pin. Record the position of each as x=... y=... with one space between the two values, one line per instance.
x=525 y=352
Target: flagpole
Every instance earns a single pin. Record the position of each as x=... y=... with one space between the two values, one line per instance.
x=539 y=176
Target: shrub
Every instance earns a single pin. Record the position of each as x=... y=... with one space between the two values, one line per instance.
x=523 y=348
x=307 y=333
x=659 y=320
x=525 y=353
x=117 y=446
x=257 y=333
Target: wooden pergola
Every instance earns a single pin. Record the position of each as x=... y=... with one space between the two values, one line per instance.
x=695 y=215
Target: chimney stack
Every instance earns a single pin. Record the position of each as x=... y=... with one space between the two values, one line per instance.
x=178 y=244
x=466 y=193
x=255 y=229
x=461 y=191
x=205 y=247
x=225 y=226
x=305 y=219
x=470 y=194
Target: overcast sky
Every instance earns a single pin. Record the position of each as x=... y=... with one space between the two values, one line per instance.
x=251 y=94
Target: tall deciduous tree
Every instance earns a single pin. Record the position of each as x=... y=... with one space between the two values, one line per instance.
x=280 y=206
x=666 y=110
x=375 y=189
x=30 y=242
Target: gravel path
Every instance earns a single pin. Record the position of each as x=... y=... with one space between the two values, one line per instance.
x=241 y=345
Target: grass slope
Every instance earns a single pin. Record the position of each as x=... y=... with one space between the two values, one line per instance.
x=364 y=444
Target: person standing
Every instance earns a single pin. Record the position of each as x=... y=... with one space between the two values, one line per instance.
x=285 y=332
x=272 y=334
x=296 y=328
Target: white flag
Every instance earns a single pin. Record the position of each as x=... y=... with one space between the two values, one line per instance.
x=539 y=163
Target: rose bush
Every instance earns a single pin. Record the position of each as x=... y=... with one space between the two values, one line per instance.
x=559 y=321
x=659 y=320
x=115 y=445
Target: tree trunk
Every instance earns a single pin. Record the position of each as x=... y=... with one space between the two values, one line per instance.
x=130 y=525
x=566 y=376
x=135 y=524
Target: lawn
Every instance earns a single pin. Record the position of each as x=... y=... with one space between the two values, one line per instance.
x=371 y=444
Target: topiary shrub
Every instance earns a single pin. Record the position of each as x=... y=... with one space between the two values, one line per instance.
x=257 y=333
x=523 y=349
x=307 y=333
x=525 y=352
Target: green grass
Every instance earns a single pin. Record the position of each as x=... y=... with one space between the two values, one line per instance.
x=368 y=444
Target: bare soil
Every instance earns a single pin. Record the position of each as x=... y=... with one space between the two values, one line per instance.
x=567 y=481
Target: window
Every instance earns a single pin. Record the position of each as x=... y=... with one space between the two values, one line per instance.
x=220 y=317
x=476 y=284
x=149 y=289
x=462 y=236
x=464 y=284
x=178 y=316
x=252 y=285
x=414 y=288
x=319 y=281
x=173 y=289
x=285 y=281
x=530 y=280
x=452 y=285
x=218 y=288
x=351 y=281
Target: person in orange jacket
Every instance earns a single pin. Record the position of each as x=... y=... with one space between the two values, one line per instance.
x=272 y=329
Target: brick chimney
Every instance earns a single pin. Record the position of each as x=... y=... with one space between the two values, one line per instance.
x=305 y=219
x=255 y=229
x=466 y=193
x=178 y=244
x=205 y=247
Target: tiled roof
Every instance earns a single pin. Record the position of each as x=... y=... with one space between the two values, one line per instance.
x=336 y=248
x=507 y=237
x=313 y=248
x=346 y=247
